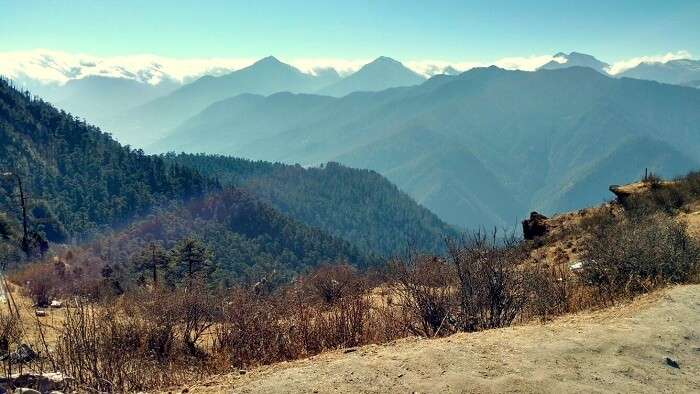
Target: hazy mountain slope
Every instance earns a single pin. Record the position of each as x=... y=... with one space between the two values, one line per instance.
x=96 y=98
x=262 y=116
x=358 y=205
x=627 y=163
x=441 y=174
x=382 y=73
x=149 y=122
x=675 y=71
x=533 y=132
x=575 y=59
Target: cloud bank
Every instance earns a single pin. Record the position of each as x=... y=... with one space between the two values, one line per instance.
x=624 y=65
x=57 y=67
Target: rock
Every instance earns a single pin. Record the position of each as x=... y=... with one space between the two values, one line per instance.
x=22 y=355
x=671 y=362
x=56 y=304
x=24 y=390
x=535 y=226
x=50 y=382
x=242 y=371
x=350 y=350
x=40 y=313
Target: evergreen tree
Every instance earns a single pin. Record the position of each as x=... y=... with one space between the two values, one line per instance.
x=193 y=255
x=151 y=259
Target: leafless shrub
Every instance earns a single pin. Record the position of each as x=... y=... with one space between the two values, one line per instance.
x=296 y=320
x=425 y=289
x=635 y=254
x=125 y=347
x=252 y=331
x=551 y=290
x=40 y=282
x=491 y=283
x=11 y=334
x=331 y=283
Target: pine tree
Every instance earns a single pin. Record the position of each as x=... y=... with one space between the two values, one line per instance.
x=192 y=254
x=152 y=258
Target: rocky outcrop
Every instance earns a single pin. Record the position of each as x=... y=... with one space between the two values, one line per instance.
x=535 y=226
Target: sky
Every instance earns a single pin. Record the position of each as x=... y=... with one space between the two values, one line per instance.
x=452 y=31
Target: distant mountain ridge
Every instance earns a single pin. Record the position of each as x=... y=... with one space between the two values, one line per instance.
x=575 y=59
x=679 y=72
x=382 y=73
x=480 y=148
x=150 y=121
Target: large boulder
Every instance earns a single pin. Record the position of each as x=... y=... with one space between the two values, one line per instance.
x=535 y=226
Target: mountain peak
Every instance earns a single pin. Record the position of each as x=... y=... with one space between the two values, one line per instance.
x=382 y=73
x=385 y=59
x=268 y=60
x=574 y=59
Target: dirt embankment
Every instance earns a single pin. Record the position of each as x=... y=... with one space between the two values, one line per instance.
x=619 y=349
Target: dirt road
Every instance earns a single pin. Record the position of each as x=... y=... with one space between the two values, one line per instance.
x=619 y=349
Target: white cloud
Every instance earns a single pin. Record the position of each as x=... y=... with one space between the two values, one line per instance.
x=623 y=65
x=48 y=66
x=342 y=66
x=528 y=63
x=58 y=67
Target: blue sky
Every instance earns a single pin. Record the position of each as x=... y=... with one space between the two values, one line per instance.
x=445 y=30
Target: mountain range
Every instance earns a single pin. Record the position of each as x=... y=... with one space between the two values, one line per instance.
x=84 y=187
x=480 y=148
x=139 y=104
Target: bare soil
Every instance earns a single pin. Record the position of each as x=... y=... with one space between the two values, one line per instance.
x=618 y=349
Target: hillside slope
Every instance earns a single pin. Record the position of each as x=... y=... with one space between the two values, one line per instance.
x=86 y=179
x=82 y=185
x=621 y=349
x=360 y=206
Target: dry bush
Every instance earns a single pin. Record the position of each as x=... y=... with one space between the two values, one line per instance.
x=252 y=331
x=331 y=283
x=425 y=291
x=635 y=254
x=297 y=320
x=40 y=281
x=11 y=334
x=552 y=290
x=130 y=346
x=492 y=286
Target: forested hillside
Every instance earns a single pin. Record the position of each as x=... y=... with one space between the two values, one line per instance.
x=80 y=177
x=83 y=186
x=360 y=206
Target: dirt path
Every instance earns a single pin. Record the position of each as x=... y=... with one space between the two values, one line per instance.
x=619 y=349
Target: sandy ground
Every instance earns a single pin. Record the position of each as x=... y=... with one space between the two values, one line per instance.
x=619 y=349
